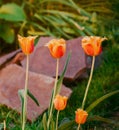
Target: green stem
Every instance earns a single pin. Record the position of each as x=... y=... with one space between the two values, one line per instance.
x=4 y=125
x=22 y=26
x=89 y=81
x=25 y=95
x=78 y=127
x=57 y=120
x=54 y=93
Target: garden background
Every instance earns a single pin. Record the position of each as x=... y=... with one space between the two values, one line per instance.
x=68 y=19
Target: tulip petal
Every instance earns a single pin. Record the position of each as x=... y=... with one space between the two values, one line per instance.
x=92 y=45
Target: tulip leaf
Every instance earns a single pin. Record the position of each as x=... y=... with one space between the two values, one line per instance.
x=21 y=95
x=67 y=126
x=12 y=12
x=33 y=97
x=1 y=126
x=59 y=83
x=44 y=121
x=95 y=103
x=46 y=31
x=52 y=124
x=106 y=120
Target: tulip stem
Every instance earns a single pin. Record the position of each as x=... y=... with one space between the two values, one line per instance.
x=54 y=93
x=89 y=81
x=78 y=127
x=57 y=120
x=25 y=95
x=4 y=125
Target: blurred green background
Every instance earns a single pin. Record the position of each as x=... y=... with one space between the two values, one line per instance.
x=68 y=19
x=58 y=18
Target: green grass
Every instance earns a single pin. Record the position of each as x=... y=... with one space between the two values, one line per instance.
x=105 y=80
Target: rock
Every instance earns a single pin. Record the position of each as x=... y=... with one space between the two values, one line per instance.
x=98 y=61
x=42 y=62
x=12 y=79
x=11 y=58
x=18 y=58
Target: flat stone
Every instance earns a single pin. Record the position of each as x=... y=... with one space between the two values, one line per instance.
x=42 y=62
x=98 y=61
x=12 y=57
x=12 y=79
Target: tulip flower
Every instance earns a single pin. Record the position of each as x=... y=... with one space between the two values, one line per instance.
x=60 y=102
x=26 y=44
x=81 y=116
x=57 y=47
x=92 y=45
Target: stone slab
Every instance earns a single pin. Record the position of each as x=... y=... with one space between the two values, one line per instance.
x=42 y=62
x=8 y=56
x=12 y=57
x=12 y=79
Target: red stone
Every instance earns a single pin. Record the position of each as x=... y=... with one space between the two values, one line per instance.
x=7 y=57
x=13 y=57
x=12 y=79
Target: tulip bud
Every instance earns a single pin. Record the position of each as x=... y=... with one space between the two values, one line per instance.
x=57 y=47
x=81 y=116
x=60 y=102
x=92 y=45
x=26 y=44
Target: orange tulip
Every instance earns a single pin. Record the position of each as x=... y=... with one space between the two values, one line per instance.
x=81 y=116
x=60 y=102
x=92 y=45
x=57 y=47
x=26 y=44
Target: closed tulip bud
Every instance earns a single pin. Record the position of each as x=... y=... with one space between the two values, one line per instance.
x=26 y=44
x=60 y=102
x=81 y=116
x=57 y=47
x=92 y=45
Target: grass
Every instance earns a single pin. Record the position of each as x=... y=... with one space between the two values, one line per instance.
x=105 y=79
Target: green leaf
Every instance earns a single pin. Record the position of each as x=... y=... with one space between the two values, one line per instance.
x=12 y=12
x=44 y=121
x=52 y=125
x=56 y=28
x=75 y=25
x=1 y=126
x=106 y=120
x=67 y=126
x=33 y=97
x=46 y=31
x=59 y=83
x=95 y=103
x=62 y=13
x=7 y=33
x=68 y=30
x=40 y=126
x=72 y=4
x=21 y=95
x=79 y=10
